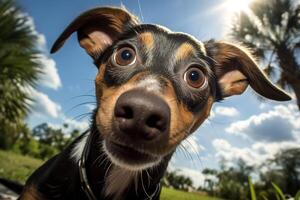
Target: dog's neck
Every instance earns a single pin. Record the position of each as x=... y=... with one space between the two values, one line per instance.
x=107 y=179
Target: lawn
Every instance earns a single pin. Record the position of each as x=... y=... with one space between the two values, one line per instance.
x=17 y=167
x=171 y=194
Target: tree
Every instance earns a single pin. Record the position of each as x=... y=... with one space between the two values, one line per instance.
x=52 y=140
x=233 y=182
x=50 y=136
x=288 y=162
x=272 y=29
x=209 y=181
x=18 y=70
x=174 y=180
x=230 y=183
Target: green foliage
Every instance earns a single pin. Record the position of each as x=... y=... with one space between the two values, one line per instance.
x=17 y=167
x=232 y=182
x=271 y=28
x=174 y=180
x=43 y=141
x=252 y=191
x=171 y=194
x=297 y=197
x=278 y=192
x=282 y=177
x=18 y=70
x=208 y=181
x=285 y=172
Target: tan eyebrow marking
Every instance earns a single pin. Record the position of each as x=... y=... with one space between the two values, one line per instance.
x=184 y=51
x=147 y=40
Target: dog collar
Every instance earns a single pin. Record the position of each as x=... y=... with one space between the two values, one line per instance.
x=84 y=182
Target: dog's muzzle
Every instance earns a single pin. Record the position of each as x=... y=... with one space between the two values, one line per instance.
x=142 y=115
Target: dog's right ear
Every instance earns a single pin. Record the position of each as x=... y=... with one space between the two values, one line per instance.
x=97 y=29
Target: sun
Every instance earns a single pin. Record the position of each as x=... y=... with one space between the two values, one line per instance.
x=237 y=5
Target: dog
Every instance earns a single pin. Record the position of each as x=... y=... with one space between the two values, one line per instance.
x=154 y=88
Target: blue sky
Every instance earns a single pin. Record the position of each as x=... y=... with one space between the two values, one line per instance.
x=239 y=127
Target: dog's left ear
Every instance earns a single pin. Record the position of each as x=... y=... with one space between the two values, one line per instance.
x=97 y=29
x=235 y=69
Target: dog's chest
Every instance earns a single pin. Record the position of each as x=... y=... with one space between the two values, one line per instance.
x=118 y=181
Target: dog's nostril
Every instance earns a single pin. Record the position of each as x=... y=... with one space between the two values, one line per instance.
x=124 y=112
x=156 y=121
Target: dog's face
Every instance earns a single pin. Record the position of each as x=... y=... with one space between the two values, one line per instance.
x=155 y=87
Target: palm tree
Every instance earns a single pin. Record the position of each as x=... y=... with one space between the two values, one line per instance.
x=18 y=70
x=272 y=29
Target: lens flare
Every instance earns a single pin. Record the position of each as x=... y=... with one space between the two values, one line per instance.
x=237 y=5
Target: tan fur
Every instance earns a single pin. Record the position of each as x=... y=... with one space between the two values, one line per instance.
x=147 y=40
x=184 y=51
x=203 y=115
x=95 y=42
x=181 y=122
x=230 y=57
x=30 y=193
x=99 y=82
x=108 y=99
x=233 y=83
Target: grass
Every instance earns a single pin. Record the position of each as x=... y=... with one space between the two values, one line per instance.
x=18 y=168
x=171 y=194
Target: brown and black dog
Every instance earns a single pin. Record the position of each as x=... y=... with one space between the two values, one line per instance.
x=154 y=88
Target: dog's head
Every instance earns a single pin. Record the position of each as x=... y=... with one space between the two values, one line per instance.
x=154 y=87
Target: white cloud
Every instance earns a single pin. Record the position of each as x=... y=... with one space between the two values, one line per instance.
x=191 y=145
x=49 y=76
x=41 y=39
x=231 y=154
x=42 y=105
x=90 y=107
x=255 y=155
x=221 y=144
x=270 y=132
x=278 y=124
x=226 y=111
x=196 y=176
x=73 y=124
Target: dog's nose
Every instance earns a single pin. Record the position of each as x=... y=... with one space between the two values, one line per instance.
x=142 y=115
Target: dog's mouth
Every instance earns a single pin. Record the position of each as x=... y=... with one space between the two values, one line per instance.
x=128 y=157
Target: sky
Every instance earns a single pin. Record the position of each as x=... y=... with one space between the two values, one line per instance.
x=239 y=127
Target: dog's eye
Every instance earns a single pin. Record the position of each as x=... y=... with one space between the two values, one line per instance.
x=194 y=77
x=124 y=56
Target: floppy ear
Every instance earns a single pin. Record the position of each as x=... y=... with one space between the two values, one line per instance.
x=97 y=29
x=235 y=69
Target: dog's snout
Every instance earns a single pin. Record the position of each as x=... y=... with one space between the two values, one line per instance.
x=142 y=115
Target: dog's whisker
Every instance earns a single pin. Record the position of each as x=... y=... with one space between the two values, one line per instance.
x=196 y=152
x=133 y=132
x=98 y=159
x=141 y=176
x=81 y=116
x=107 y=170
x=181 y=151
x=148 y=177
x=83 y=95
x=82 y=104
x=188 y=152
